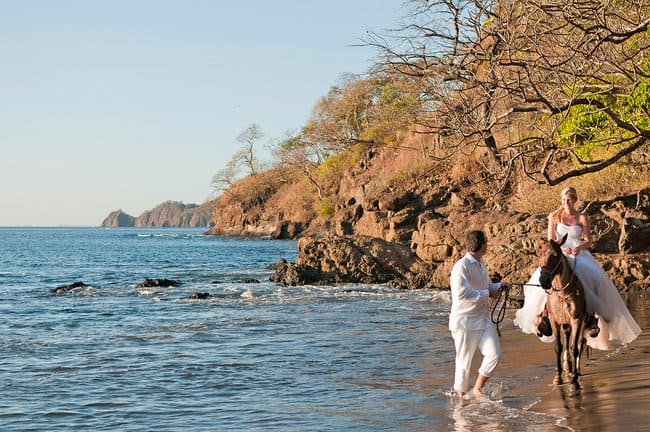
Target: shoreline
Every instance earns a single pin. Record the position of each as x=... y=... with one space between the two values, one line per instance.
x=615 y=385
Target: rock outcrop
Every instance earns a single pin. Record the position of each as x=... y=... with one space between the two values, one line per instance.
x=118 y=219
x=438 y=241
x=158 y=282
x=426 y=214
x=65 y=289
x=330 y=258
x=167 y=214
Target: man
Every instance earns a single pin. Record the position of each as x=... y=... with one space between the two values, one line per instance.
x=469 y=320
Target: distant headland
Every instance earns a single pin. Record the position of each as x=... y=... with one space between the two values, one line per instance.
x=168 y=214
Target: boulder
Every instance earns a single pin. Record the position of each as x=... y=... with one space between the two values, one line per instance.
x=67 y=288
x=158 y=283
x=199 y=296
x=439 y=241
x=330 y=258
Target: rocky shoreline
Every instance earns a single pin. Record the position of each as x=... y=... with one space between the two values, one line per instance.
x=621 y=230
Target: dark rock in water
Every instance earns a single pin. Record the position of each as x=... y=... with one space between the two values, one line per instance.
x=67 y=288
x=158 y=283
x=244 y=280
x=290 y=274
x=199 y=296
x=281 y=262
x=329 y=258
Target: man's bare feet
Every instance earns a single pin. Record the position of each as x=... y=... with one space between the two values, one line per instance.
x=473 y=395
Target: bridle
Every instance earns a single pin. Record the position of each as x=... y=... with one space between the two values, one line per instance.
x=554 y=272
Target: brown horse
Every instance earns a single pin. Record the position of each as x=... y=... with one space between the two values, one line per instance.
x=565 y=305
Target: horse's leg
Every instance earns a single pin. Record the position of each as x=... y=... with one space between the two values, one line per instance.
x=558 y=352
x=567 y=349
x=579 y=345
x=576 y=342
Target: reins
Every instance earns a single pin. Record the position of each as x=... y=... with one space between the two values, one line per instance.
x=573 y=274
x=498 y=316
x=502 y=311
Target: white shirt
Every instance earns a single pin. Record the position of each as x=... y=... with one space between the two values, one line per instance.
x=470 y=286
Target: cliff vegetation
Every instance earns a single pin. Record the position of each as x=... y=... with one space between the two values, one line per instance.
x=476 y=124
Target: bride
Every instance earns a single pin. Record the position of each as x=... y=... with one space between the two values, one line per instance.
x=617 y=327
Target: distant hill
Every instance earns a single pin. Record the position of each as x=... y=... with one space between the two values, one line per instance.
x=167 y=214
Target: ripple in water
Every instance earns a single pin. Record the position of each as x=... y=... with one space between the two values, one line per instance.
x=252 y=355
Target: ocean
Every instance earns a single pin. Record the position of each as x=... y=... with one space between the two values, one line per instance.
x=255 y=355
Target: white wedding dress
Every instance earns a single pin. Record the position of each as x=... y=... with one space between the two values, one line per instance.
x=617 y=327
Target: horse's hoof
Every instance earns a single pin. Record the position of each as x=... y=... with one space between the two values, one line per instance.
x=557 y=380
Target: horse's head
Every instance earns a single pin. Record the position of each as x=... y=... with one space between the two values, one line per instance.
x=550 y=260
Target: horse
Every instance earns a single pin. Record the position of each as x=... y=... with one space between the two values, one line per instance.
x=565 y=305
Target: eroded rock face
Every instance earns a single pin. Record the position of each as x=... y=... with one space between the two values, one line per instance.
x=439 y=240
x=330 y=258
x=633 y=222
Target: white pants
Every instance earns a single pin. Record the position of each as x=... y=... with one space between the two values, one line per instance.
x=466 y=342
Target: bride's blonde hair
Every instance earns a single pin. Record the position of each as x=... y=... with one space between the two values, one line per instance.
x=569 y=190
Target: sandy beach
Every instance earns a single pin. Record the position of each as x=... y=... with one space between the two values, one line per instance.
x=615 y=387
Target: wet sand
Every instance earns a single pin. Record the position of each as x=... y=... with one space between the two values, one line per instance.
x=614 y=393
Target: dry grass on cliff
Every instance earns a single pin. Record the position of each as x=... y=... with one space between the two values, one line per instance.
x=398 y=167
x=607 y=184
x=297 y=201
x=529 y=197
x=253 y=191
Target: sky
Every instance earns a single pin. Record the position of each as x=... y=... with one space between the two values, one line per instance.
x=125 y=104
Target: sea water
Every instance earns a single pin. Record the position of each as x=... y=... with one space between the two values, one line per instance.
x=254 y=356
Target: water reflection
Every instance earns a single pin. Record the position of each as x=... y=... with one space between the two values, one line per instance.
x=615 y=389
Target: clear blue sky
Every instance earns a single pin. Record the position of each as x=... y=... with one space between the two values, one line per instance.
x=128 y=103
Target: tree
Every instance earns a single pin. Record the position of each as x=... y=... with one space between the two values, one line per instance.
x=226 y=177
x=556 y=88
x=294 y=152
x=245 y=158
x=371 y=111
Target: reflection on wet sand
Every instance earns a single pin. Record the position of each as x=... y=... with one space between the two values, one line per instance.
x=615 y=386
x=494 y=416
x=613 y=392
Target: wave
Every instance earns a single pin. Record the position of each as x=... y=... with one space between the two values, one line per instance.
x=487 y=414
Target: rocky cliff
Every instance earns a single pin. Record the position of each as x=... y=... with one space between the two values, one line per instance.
x=438 y=241
x=167 y=214
x=379 y=222
x=118 y=219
